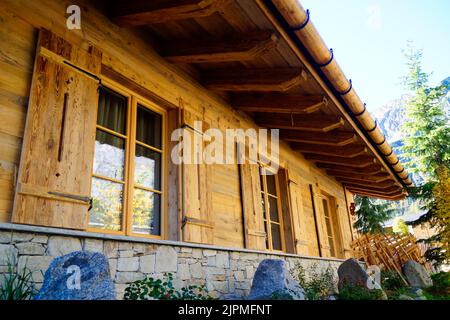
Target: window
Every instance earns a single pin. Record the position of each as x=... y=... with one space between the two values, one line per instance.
x=329 y=226
x=127 y=179
x=271 y=210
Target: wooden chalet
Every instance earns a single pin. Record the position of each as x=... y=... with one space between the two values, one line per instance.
x=86 y=117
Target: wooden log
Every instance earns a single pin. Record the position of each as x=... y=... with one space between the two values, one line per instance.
x=357 y=162
x=370 y=170
x=278 y=103
x=382 y=190
x=239 y=48
x=375 y=177
x=332 y=138
x=394 y=196
x=363 y=182
x=313 y=122
x=142 y=12
x=349 y=151
x=272 y=79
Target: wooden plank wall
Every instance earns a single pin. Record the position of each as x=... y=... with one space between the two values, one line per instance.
x=125 y=52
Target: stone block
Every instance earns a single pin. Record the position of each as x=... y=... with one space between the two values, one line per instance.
x=166 y=259
x=147 y=263
x=93 y=245
x=30 y=248
x=59 y=246
x=128 y=264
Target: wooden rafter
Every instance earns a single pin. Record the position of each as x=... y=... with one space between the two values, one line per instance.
x=395 y=196
x=332 y=138
x=278 y=103
x=357 y=162
x=242 y=48
x=142 y=12
x=276 y=79
x=370 y=170
x=387 y=190
x=365 y=183
x=312 y=122
x=349 y=151
x=363 y=177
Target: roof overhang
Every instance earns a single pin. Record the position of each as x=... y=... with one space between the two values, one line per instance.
x=267 y=60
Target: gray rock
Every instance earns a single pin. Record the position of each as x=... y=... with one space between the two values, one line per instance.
x=405 y=297
x=351 y=273
x=272 y=279
x=80 y=275
x=416 y=274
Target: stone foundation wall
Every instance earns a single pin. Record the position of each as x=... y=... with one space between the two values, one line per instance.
x=227 y=273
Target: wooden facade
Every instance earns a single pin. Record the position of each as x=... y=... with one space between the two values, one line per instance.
x=225 y=63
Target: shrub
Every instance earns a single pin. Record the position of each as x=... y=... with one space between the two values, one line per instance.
x=358 y=292
x=150 y=288
x=393 y=285
x=15 y=284
x=441 y=287
x=318 y=285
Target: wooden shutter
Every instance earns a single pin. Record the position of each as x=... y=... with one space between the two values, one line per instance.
x=287 y=208
x=325 y=248
x=255 y=235
x=57 y=153
x=300 y=232
x=197 y=224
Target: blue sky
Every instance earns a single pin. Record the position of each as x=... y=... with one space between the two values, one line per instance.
x=368 y=36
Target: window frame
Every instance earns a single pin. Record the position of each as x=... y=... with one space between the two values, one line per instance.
x=266 y=214
x=133 y=100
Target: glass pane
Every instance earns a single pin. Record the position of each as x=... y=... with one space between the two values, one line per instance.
x=276 y=237
x=261 y=180
x=148 y=129
x=267 y=234
x=273 y=208
x=109 y=155
x=112 y=110
x=271 y=185
x=329 y=230
x=107 y=200
x=147 y=168
x=263 y=202
x=146 y=212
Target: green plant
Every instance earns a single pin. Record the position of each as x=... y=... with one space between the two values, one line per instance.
x=318 y=285
x=15 y=284
x=357 y=292
x=393 y=285
x=371 y=214
x=150 y=288
x=441 y=287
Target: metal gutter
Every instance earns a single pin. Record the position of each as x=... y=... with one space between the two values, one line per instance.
x=330 y=77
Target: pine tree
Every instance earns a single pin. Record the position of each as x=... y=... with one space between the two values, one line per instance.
x=371 y=214
x=427 y=146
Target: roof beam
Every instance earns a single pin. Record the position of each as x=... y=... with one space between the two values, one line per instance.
x=367 y=184
x=313 y=122
x=395 y=196
x=142 y=12
x=357 y=162
x=331 y=138
x=371 y=170
x=387 y=191
x=242 y=48
x=279 y=103
x=349 y=151
x=272 y=79
x=358 y=176
x=317 y=123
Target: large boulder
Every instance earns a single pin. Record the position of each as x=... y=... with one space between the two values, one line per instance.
x=80 y=275
x=351 y=273
x=416 y=275
x=272 y=280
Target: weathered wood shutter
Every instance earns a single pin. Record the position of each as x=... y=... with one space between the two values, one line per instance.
x=287 y=208
x=254 y=234
x=325 y=248
x=300 y=232
x=197 y=225
x=56 y=162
